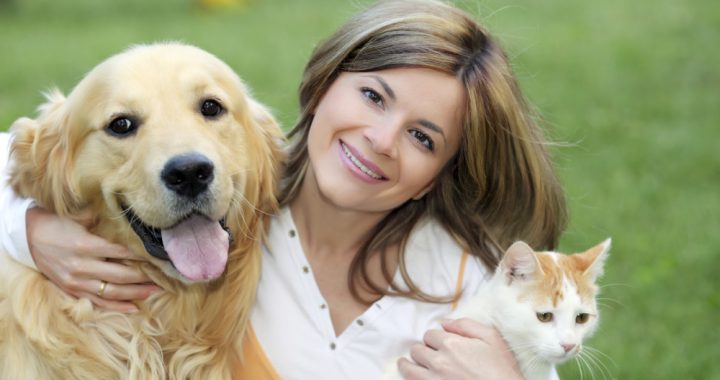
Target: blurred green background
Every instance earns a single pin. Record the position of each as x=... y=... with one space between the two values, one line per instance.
x=628 y=88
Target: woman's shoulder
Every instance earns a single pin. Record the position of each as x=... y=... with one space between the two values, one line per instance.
x=436 y=260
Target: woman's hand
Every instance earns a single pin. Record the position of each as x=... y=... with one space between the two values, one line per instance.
x=77 y=262
x=465 y=349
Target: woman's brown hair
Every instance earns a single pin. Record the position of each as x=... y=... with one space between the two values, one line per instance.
x=500 y=186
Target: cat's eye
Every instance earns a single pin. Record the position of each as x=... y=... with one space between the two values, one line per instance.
x=582 y=318
x=545 y=317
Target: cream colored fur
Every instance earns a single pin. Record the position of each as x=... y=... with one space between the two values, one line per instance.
x=68 y=162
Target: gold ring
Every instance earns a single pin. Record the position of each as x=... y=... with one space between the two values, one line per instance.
x=101 y=291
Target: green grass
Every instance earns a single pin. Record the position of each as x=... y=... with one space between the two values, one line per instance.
x=631 y=86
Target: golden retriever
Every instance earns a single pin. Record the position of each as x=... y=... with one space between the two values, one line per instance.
x=175 y=160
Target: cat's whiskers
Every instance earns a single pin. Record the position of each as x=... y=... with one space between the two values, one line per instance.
x=594 y=355
x=596 y=351
x=580 y=367
x=580 y=359
x=589 y=357
x=606 y=302
x=524 y=350
x=592 y=363
x=603 y=286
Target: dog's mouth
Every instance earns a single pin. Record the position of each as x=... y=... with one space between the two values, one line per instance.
x=196 y=246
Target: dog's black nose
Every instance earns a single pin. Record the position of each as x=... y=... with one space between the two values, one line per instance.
x=188 y=175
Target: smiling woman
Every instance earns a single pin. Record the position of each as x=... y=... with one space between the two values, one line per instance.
x=380 y=139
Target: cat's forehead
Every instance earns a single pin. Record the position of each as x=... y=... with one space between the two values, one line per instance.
x=563 y=273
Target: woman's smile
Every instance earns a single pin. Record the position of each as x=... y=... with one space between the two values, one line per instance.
x=361 y=167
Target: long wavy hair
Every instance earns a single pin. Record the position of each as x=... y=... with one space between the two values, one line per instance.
x=499 y=187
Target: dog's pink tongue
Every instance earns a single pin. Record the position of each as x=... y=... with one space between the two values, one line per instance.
x=198 y=247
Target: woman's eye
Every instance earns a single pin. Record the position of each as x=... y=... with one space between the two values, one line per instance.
x=545 y=317
x=423 y=139
x=211 y=108
x=122 y=126
x=582 y=318
x=373 y=96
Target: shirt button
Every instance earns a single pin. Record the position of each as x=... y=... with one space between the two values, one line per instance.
x=360 y=322
x=332 y=346
x=323 y=306
x=306 y=269
x=291 y=233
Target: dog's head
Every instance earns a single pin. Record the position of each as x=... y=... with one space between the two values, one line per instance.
x=166 y=147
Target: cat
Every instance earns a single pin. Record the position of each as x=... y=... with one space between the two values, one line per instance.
x=542 y=303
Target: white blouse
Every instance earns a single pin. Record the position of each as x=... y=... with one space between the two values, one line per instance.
x=292 y=322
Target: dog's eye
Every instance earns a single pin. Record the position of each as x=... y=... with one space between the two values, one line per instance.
x=211 y=108
x=121 y=126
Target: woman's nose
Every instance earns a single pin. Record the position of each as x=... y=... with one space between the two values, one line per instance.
x=383 y=137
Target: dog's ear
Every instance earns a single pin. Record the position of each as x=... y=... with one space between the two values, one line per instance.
x=271 y=150
x=264 y=148
x=41 y=156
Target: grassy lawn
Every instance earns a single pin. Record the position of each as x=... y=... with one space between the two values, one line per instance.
x=630 y=89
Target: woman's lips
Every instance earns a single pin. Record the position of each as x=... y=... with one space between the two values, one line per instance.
x=361 y=166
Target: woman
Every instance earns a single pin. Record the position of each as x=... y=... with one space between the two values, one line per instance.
x=414 y=148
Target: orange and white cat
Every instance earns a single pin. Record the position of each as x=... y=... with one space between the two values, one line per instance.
x=542 y=303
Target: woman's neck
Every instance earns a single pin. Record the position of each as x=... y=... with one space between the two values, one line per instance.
x=326 y=229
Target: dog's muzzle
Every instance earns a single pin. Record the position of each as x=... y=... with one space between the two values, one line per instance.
x=196 y=245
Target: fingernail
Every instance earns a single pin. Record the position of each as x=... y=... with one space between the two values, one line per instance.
x=132 y=310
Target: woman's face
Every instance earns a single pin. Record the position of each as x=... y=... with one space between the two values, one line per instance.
x=380 y=138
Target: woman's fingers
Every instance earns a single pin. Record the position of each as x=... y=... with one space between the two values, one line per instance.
x=87 y=244
x=412 y=371
x=131 y=292
x=114 y=292
x=119 y=306
x=113 y=272
x=423 y=355
x=471 y=329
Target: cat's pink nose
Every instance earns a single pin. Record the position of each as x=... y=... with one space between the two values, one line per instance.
x=567 y=346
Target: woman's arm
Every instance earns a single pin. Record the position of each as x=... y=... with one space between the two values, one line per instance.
x=79 y=262
x=13 y=239
x=64 y=251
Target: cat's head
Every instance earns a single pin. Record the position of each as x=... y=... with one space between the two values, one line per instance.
x=556 y=305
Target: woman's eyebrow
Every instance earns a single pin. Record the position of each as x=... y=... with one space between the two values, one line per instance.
x=433 y=127
x=384 y=85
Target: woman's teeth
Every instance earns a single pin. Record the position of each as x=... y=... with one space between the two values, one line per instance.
x=359 y=164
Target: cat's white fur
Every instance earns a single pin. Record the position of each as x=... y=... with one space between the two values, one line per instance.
x=521 y=288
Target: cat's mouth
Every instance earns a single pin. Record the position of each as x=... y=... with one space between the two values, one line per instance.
x=565 y=356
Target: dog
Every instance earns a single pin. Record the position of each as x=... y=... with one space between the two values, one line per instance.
x=165 y=147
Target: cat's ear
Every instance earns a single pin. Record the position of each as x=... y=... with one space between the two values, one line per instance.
x=593 y=260
x=520 y=262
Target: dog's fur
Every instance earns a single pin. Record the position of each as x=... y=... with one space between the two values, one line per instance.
x=68 y=161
